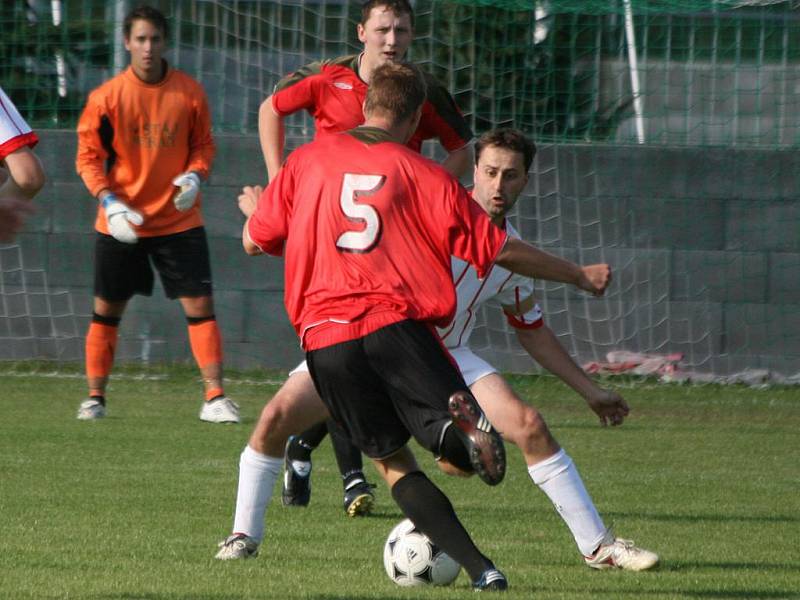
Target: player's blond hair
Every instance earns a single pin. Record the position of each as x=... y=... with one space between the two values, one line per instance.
x=396 y=91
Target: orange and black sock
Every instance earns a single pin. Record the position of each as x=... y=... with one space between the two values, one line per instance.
x=206 y=343
x=101 y=344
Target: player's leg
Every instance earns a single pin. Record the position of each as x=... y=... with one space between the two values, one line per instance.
x=358 y=492
x=297 y=465
x=353 y=384
x=554 y=472
x=433 y=514
x=294 y=408
x=182 y=261
x=120 y=271
x=419 y=373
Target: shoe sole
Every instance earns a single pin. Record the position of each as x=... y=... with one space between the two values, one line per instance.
x=361 y=506
x=485 y=446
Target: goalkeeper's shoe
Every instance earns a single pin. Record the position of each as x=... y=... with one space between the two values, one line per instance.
x=296 y=480
x=491 y=580
x=616 y=553
x=220 y=410
x=483 y=443
x=358 y=499
x=237 y=546
x=91 y=409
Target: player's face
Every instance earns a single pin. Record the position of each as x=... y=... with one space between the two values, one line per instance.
x=386 y=36
x=500 y=177
x=146 y=44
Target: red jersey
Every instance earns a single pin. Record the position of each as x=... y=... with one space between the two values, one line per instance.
x=368 y=227
x=333 y=93
x=14 y=131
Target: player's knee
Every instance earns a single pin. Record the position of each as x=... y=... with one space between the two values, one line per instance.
x=533 y=429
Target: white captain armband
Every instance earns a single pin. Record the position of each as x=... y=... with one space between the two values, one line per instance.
x=533 y=319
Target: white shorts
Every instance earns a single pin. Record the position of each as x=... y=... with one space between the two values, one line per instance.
x=472 y=366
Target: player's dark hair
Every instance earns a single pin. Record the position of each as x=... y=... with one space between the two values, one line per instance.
x=510 y=139
x=396 y=90
x=146 y=13
x=398 y=7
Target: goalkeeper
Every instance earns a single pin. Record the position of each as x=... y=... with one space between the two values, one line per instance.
x=144 y=146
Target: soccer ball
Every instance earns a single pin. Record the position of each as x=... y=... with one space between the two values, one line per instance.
x=410 y=558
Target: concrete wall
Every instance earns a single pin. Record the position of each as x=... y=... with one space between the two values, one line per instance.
x=705 y=243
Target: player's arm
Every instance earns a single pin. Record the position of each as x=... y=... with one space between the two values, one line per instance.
x=271 y=134
x=520 y=257
x=544 y=347
x=248 y=201
x=201 y=142
x=24 y=175
x=92 y=154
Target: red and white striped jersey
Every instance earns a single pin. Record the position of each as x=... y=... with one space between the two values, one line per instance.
x=14 y=131
x=507 y=288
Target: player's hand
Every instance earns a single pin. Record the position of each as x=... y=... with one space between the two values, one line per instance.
x=609 y=406
x=120 y=217
x=248 y=199
x=189 y=184
x=595 y=278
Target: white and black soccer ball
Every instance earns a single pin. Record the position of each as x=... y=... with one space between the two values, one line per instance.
x=410 y=558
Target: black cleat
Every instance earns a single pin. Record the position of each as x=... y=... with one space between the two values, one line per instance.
x=491 y=580
x=358 y=500
x=296 y=481
x=484 y=445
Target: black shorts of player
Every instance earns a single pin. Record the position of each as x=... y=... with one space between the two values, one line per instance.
x=181 y=259
x=387 y=386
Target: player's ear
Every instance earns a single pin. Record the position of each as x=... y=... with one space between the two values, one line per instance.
x=362 y=33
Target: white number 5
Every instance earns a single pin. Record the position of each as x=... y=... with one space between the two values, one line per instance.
x=353 y=187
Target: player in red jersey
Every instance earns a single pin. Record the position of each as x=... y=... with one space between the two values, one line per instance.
x=367 y=228
x=21 y=173
x=333 y=91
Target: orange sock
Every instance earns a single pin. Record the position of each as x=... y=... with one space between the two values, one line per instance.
x=206 y=343
x=101 y=343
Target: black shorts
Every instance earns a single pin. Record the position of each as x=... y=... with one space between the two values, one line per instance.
x=181 y=259
x=388 y=386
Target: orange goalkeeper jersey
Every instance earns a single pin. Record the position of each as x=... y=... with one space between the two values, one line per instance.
x=135 y=137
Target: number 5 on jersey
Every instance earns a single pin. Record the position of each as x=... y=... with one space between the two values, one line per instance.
x=355 y=187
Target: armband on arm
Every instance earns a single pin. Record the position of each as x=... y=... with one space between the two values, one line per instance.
x=532 y=319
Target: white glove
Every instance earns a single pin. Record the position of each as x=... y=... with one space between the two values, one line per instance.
x=189 y=184
x=119 y=217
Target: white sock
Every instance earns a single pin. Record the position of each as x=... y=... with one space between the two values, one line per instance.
x=557 y=477
x=257 y=476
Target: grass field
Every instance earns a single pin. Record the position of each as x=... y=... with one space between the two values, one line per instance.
x=131 y=507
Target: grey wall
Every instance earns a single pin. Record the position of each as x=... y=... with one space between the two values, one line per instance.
x=705 y=243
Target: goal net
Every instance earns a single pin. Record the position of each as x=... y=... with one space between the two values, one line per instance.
x=667 y=136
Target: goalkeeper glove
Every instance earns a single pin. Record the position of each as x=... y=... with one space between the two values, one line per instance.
x=119 y=217
x=189 y=184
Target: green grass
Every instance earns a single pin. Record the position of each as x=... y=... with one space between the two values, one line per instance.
x=131 y=507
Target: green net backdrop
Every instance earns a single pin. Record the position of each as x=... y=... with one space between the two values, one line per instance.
x=667 y=135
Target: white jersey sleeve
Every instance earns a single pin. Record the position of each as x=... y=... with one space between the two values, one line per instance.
x=14 y=131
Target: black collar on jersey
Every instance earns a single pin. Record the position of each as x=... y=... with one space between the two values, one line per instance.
x=371 y=135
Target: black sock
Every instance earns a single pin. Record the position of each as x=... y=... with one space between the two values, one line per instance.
x=304 y=444
x=432 y=513
x=100 y=399
x=453 y=449
x=348 y=457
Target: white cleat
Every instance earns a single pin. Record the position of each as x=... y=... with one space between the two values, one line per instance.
x=237 y=547
x=91 y=409
x=220 y=410
x=616 y=553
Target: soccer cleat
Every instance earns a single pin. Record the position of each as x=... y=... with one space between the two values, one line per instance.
x=237 y=546
x=91 y=409
x=616 y=553
x=296 y=480
x=220 y=410
x=358 y=499
x=485 y=446
x=491 y=580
